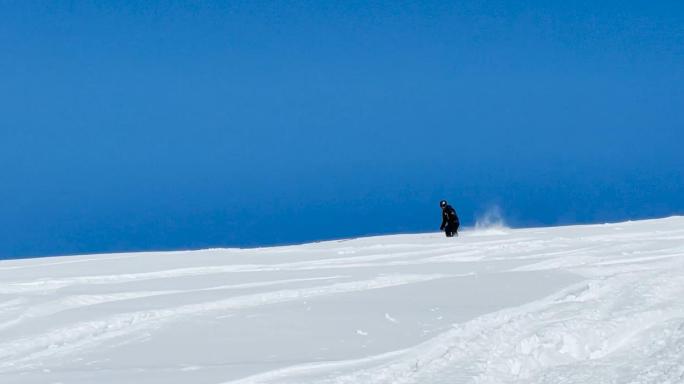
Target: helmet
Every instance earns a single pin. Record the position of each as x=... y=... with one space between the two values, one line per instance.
x=443 y=203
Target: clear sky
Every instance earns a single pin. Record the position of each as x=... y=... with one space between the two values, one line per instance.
x=168 y=125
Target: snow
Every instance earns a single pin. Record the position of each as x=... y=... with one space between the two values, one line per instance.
x=577 y=304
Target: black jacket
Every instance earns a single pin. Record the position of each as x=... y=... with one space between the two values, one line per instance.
x=449 y=216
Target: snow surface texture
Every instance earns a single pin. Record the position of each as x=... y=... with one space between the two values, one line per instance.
x=580 y=304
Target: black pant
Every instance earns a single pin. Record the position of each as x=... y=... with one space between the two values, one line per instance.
x=451 y=229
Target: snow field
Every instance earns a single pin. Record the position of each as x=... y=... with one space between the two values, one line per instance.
x=579 y=304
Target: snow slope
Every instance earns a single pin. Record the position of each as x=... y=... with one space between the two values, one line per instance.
x=580 y=304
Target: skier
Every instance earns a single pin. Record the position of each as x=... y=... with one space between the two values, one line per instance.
x=450 y=222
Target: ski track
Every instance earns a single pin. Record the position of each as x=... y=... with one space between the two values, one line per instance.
x=51 y=285
x=622 y=323
x=17 y=353
x=80 y=301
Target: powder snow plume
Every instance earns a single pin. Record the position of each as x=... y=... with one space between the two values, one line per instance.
x=491 y=218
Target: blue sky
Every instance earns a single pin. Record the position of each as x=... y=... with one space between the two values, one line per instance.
x=168 y=125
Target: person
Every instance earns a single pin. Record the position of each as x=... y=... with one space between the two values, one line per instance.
x=450 y=222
